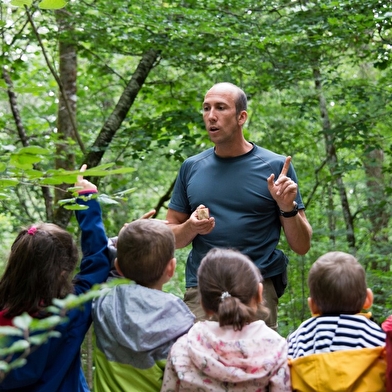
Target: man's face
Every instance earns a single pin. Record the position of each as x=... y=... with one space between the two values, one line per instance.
x=219 y=115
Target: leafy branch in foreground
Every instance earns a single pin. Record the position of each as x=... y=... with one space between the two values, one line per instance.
x=27 y=334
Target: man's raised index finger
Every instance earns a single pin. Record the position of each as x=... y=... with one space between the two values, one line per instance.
x=286 y=166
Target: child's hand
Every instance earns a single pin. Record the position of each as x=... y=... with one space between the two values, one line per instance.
x=86 y=186
x=148 y=215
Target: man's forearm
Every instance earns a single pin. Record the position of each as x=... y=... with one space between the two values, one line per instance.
x=183 y=234
x=298 y=232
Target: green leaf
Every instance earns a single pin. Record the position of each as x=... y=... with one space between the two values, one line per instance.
x=46 y=323
x=73 y=301
x=8 y=182
x=33 y=174
x=4 y=366
x=32 y=90
x=66 y=201
x=72 y=189
x=21 y=3
x=126 y=192
x=75 y=207
x=24 y=161
x=23 y=321
x=118 y=281
x=10 y=331
x=44 y=337
x=33 y=150
x=18 y=346
x=37 y=340
x=52 y=4
x=53 y=309
x=59 y=179
x=105 y=199
x=18 y=363
x=4 y=196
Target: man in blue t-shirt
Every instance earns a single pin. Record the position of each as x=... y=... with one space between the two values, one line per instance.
x=235 y=180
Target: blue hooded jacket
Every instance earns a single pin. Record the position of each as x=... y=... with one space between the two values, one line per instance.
x=56 y=365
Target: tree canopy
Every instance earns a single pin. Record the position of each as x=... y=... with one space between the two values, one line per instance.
x=119 y=86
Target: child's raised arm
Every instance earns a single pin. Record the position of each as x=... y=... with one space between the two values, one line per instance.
x=95 y=263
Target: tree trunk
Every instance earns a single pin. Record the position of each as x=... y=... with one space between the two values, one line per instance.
x=332 y=160
x=377 y=212
x=66 y=112
x=119 y=113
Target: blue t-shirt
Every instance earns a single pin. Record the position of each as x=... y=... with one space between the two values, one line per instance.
x=236 y=192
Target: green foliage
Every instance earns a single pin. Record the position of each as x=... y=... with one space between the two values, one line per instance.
x=273 y=50
x=44 y=4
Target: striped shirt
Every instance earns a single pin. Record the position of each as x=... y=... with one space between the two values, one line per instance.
x=331 y=333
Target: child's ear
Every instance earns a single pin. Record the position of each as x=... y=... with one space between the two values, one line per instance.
x=314 y=309
x=369 y=299
x=260 y=293
x=171 y=267
x=116 y=266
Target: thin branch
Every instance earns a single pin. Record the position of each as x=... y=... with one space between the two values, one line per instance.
x=54 y=73
x=25 y=140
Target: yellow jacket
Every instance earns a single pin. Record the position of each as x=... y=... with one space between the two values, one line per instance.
x=358 y=370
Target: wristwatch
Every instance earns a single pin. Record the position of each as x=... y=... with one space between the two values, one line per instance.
x=291 y=213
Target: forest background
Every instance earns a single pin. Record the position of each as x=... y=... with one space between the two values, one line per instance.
x=119 y=85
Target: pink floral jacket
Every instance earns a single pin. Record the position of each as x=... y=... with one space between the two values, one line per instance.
x=213 y=358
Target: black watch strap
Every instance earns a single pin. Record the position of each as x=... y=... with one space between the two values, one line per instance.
x=291 y=213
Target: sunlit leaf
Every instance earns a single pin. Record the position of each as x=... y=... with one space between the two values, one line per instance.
x=66 y=201
x=21 y=3
x=105 y=199
x=26 y=89
x=23 y=321
x=17 y=363
x=33 y=174
x=44 y=337
x=8 y=182
x=52 y=4
x=126 y=192
x=17 y=346
x=53 y=309
x=45 y=323
x=4 y=366
x=75 y=207
x=24 y=161
x=33 y=150
x=8 y=330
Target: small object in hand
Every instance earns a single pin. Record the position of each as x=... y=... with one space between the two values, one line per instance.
x=203 y=213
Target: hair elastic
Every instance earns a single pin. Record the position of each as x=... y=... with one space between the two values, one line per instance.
x=225 y=295
x=32 y=230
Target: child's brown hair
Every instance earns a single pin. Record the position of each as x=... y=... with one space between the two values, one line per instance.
x=337 y=283
x=144 y=249
x=39 y=266
x=228 y=283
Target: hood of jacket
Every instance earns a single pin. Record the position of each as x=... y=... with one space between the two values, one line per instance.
x=360 y=370
x=137 y=325
x=236 y=356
